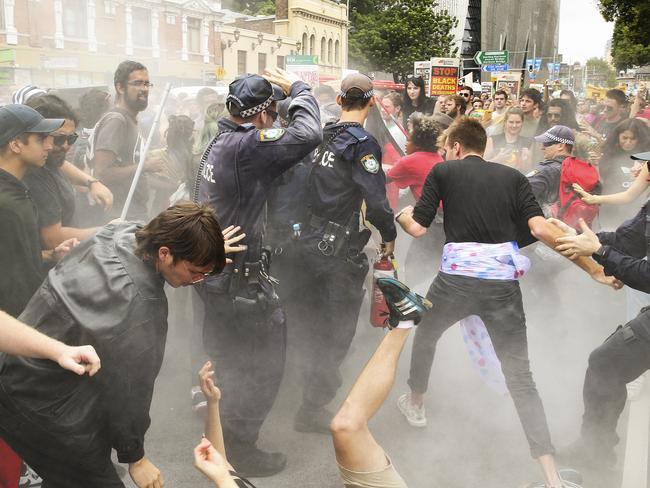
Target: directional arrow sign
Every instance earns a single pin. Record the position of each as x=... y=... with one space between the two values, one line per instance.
x=491 y=68
x=491 y=57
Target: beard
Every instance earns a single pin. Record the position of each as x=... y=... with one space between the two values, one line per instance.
x=137 y=104
x=453 y=113
x=55 y=158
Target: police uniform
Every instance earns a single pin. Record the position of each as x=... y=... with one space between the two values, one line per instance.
x=545 y=181
x=346 y=171
x=244 y=330
x=625 y=355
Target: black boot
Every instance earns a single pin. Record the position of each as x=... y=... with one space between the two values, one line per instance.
x=315 y=420
x=251 y=462
x=589 y=454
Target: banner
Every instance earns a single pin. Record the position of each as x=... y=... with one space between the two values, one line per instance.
x=510 y=80
x=423 y=69
x=444 y=76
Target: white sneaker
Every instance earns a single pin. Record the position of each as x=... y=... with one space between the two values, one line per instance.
x=415 y=415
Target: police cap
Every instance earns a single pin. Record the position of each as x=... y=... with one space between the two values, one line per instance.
x=250 y=94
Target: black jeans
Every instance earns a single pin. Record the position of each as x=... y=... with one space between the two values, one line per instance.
x=498 y=303
x=623 y=357
x=332 y=292
x=52 y=450
x=249 y=352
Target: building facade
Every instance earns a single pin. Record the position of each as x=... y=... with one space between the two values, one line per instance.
x=70 y=43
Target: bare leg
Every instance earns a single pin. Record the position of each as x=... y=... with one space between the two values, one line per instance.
x=356 y=448
x=547 y=462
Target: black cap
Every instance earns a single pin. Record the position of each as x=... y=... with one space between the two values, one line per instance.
x=18 y=119
x=250 y=94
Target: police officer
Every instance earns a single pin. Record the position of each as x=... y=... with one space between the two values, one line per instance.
x=244 y=329
x=346 y=171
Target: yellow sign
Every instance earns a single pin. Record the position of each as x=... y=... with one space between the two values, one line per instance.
x=220 y=72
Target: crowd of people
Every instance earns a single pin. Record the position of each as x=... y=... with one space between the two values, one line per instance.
x=277 y=180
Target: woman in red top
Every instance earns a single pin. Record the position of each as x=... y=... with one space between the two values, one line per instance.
x=423 y=255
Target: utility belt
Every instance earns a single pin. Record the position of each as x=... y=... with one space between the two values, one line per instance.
x=251 y=287
x=341 y=241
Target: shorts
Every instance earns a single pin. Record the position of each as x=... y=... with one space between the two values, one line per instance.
x=386 y=478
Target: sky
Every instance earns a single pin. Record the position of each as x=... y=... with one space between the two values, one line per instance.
x=583 y=31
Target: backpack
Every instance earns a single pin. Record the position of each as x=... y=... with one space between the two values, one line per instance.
x=570 y=208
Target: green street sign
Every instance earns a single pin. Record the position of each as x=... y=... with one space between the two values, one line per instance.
x=491 y=57
x=301 y=59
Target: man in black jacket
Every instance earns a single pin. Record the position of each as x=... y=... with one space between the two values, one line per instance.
x=625 y=355
x=107 y=293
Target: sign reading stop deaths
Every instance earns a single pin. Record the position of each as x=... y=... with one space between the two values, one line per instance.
x=444 y=76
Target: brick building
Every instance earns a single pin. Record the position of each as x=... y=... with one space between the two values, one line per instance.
x=67 y=43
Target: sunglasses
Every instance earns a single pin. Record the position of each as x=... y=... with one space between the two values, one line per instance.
x=59 y=140
x=466 y=95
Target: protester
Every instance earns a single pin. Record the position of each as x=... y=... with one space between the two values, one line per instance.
x=51 y=185
x=109 y=289
x=245 y=327
x=346 y=171
x=615 y=111
x=510 y=147
x=480 y=226
x=113 y=151
x=530 y=102
x=24 y=143
x=415 y=98
x=455 y=106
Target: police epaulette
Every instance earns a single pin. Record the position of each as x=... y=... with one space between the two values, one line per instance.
x=358 y=132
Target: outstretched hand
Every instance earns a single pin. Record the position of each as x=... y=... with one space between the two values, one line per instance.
x=610 y=281
x=80 y=360
x=212 y=464
x=585 y=196
x=284 y=79
x=584 y=244
x=209 y=389
x=230 y=240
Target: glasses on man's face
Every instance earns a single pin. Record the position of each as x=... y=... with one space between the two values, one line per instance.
x=273 y=114
x=140 y=84
x=59 y=140
x=464 y=94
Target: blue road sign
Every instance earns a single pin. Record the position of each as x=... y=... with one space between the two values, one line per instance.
x=489 y=68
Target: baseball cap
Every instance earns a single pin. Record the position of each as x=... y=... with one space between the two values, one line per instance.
x=250 y=94
x=559 y=134
x=360 y=82
x=16 y=119
x=644 y=156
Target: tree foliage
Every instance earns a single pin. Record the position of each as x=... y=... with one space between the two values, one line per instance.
x=251 y=7
x=389 y=35
x=631 y=41
x=600 y=72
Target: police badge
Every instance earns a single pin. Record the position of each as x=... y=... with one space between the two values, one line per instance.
x=370 y=163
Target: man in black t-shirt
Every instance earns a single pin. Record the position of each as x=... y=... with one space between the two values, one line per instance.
x=490 y=211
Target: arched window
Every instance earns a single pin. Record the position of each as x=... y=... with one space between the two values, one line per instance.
x=336 y=53
x=329 y=51
x=312 y=45
x=304 y=44
x=323 y=44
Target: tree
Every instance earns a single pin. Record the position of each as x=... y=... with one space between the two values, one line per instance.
x=631 y=40
x=389 y=35
x=600 y=72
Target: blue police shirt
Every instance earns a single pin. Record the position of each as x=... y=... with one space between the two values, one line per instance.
x=347 y=172
x=244 y=161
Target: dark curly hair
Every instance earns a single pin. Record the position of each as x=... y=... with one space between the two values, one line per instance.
x=425 y=132
x=640 y=131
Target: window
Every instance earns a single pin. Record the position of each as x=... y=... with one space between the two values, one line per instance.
x=261 y=62
x=3 y=26
x=74 y=18
x=312 y=44
x=304 y=43
x=171 y=19
x=141 y=27
x=336 y=53
x=110 y=7
x=193 y=35
x=329 y=51
x=241 y=62
x=281 y=62
x=323 y=44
